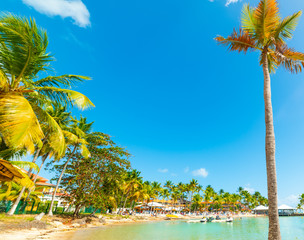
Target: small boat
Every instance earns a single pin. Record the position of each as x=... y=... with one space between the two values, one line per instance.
x=171 y=216
x=203 y=220
x=193 y=221
x=229 y=219
x=210 y=219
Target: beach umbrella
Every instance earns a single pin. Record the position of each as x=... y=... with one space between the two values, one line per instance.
x=155 y=204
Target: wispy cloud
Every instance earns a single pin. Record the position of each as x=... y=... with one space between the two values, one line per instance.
x=186 y=169
x=164 y=170
x=74 y=9
x=291 y=200
x=228 y=2
x=249 y=189
x=202 y=172
x=173 y=174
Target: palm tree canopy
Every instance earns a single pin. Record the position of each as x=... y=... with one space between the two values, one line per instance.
x=23 y=58
x=263 y=30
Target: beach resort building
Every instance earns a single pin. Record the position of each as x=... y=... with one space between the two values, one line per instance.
x=284 y=210
x=47 y=189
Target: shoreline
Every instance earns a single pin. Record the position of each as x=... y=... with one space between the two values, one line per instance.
x=58 y=230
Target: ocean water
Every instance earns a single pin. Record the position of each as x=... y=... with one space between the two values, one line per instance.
x=242 y=229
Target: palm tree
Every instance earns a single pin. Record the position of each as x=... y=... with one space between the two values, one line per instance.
x=24 y=57
x=77 y=135
x=192 y=188
x=50 y=146
x=182 y=189
x=132 y=183
x=169 y=185
x=197 y=202
x=301 y=198
x=240 y=190
x=264 y=31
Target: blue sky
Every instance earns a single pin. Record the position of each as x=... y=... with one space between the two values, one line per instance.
x=182 y=105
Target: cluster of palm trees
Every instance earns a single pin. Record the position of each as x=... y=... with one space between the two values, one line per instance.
x=35 y=115
x=183 y=196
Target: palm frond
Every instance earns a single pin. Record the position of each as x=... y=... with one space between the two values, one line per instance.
x=25 y=164
x=70 y=137
x=248 y=20
x=55 y=138
x=22 y=48
x=67 y=80
x=11 y=154
x=290 y=59
x=18 y=123
x=267 y=19
x=286 y=27
x=4 y=82
x=239 y=41
x=66 y=95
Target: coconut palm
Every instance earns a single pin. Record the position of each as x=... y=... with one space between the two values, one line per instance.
x=197 y=202
x=23 y=58
x=169 y=185
x=132 y=184
x=192 y=187
x=264 y=31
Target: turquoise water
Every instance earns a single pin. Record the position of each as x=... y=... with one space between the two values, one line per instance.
x=246 y=228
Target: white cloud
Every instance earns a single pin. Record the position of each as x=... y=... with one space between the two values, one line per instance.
x=186 y=169
x=163 y=170
x=228 y=2
x=202 y=172
x=291 y=200
x=249 y=189
x=173 y=174
x=74 y=9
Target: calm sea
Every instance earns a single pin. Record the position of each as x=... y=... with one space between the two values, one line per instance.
x=243 y=229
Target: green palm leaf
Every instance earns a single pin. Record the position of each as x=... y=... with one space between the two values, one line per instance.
x=18 y=123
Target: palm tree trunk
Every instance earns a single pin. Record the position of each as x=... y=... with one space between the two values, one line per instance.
x=120 y=203
x=125 y=201
x=13 y=208
x=50 y=213
x=273 y=214
x=36 y=176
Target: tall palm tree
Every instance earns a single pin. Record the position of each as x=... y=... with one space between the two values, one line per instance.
x=78 y=133
x=23 y=58
x=192 y=188
x=132 y=184
x=264 y=31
